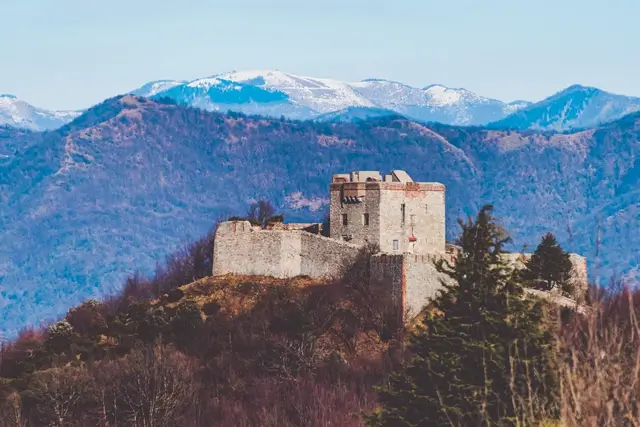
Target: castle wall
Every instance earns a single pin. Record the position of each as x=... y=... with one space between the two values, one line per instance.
x=580 y=277
x=579 y=274
x=389 y=269
x=322 y=257
x=422 y=281
x=414 y=279
x=242 y=249
x=239 y=248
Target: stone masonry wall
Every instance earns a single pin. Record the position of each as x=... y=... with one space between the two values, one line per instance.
x=322 y=257
x=389 y=269
x=422 y=281
x=424 y=218
x=579 y=279
x=356 y=228
x=245 y=250
x=240 y=248
x=414 y=279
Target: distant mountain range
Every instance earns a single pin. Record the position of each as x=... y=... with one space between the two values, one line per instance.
x=131 y=179
x=19 y=114
x=573 y=108
x=274 y=93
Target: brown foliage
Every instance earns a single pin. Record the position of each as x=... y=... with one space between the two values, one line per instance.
x=151 y=387
x=57 y=397
x=601 y=363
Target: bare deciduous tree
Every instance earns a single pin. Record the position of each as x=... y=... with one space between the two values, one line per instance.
x=58 y=397
x=152 y=387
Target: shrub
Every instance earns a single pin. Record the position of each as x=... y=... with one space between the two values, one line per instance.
x=175 y=295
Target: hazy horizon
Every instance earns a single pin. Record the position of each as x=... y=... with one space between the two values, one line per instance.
x=74 y=54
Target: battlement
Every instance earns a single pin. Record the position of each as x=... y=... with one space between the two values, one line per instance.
x=396 y=176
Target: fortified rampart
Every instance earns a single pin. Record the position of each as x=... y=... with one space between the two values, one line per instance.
x=405 y=218
x=414 y=279
x=241 y=248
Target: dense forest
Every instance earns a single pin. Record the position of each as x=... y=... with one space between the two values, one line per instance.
x=179 y=348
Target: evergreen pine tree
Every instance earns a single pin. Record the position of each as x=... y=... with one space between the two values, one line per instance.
x=483 y=357
x=549 y=267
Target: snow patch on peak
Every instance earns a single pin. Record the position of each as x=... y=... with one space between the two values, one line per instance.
x=17 y=113
x=319 y=94
x=441 y=95
x=153 y=88
x=205 y=83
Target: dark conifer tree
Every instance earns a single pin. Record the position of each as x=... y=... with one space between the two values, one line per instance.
x=549 y=268
x=483 y=356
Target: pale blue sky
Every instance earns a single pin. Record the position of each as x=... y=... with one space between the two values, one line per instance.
x=70 y=54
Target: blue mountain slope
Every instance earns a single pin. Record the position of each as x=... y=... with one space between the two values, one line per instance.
x=352 y=114
x=573 y=108
x=132 y=179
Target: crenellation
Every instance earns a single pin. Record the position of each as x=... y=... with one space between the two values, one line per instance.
x=406 y=219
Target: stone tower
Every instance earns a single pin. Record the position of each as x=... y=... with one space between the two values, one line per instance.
x=400 y=215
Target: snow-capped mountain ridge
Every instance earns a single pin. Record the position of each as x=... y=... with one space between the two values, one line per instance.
x=322 y=95
x=153 y=88
x=574 y=107
x=304 y=97
x=276 y=93
x=19 y=114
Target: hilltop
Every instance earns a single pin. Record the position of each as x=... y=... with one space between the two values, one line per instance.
x=132 y=179
x=234 y=349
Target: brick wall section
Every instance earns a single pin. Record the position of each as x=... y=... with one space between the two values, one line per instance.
x=412 y=277
x=361 y=233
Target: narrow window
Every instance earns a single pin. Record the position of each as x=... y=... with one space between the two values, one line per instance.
x=426 y=208
x=345 y=219
x=403 y=212
x=365 y=219
x=395 y=245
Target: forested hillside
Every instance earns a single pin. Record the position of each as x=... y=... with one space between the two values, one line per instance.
x=132 y=179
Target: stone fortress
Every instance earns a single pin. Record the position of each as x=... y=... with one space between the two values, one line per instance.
x=406 y=219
